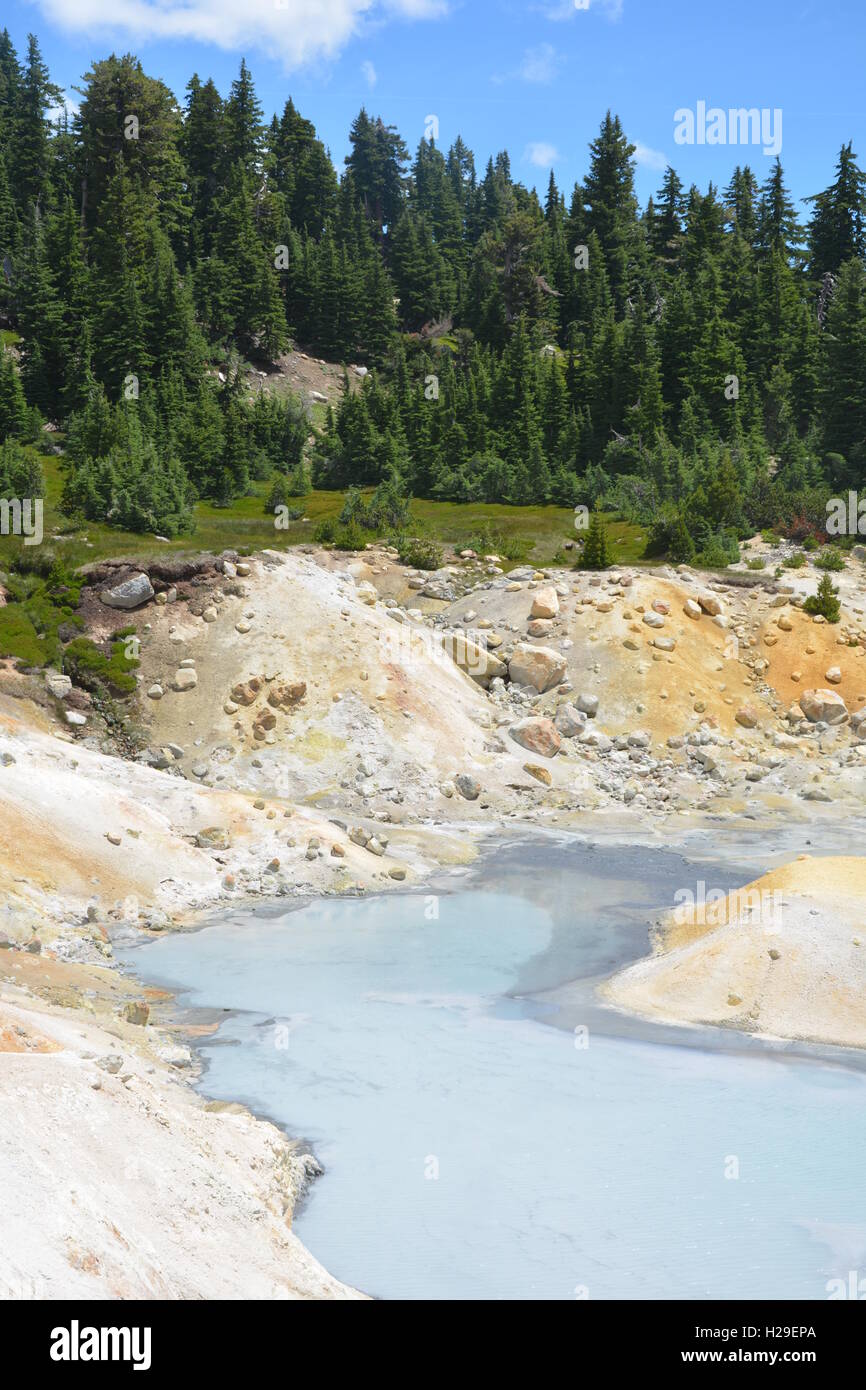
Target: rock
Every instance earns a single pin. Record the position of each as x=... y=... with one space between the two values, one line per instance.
x=539 y=667
x=230 y=707
x=375 y=846
x=540 y=774
x=538 y=736
x=594 y=738
x=110 y=1063
x=136 y=1013
x=692 y=609
x=74 y=716
x=747 y=716
x=833 y=675
x=57 y=685
x=660 y=606
x=397 y=872
x=246 y=692
x=711 y=604
x=210 y=615
x=213 y=837
x=467 y=786
x=545 y=604
x=367 y=593
x=665 y=644
x=132 y=593
x=112 y=837
x=570 y=721
x=653 y=620
x=824 y=705
x=287 y=695
x=243 y=569
x=539 y=627
x=185 y=680
x=472 y=658
x=588 y=705
x=155 y=692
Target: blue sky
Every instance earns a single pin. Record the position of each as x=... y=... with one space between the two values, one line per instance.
x=533 y=77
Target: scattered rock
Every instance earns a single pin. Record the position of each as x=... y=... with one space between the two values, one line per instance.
x=132 y=593
x=545 y=603
x=468 y=787
x=538 y=736
x=824 y=705
x=539 y=667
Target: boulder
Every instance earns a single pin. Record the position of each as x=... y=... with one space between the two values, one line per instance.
x=747 y=717
x=539 y=667
x=711 y=604
x=823 y=705
x=245 y=693
x=467 y=786
x=539 y=736
x=588 y=705
x=287 y=695
x=540 y=774
x=185 y=680
x=692 y=609
x=472 y=658
x=57 y=685
x=569 y=721
x=545 y=603
x=213 y=837
x=654 y=619
x=132 y=593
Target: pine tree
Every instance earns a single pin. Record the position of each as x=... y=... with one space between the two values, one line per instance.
x=836 y=231
x=596 y=552
x=29 y=156
x=825 y=601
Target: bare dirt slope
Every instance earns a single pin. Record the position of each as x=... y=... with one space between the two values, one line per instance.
x=784 y=956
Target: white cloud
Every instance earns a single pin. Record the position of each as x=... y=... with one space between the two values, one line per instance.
x=541 y=154
x=371 y=77
x=540 y=64
x=567 y=9
x=297 y=31
x=54 y=113
x=649 y=159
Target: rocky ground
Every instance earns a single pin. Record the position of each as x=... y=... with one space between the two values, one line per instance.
x=311 y=723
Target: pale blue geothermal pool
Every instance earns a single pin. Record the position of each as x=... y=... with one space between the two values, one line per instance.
x=471 y=1149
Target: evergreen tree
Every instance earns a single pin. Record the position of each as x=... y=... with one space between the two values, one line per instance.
x=596 y=552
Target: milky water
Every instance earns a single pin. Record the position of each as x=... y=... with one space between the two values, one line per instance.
x=473 y=1150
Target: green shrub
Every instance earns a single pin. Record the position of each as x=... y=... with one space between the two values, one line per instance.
x=829 y=559
x=326 y=532
x=419 y=552
x=795 y=561
x=89 y=667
